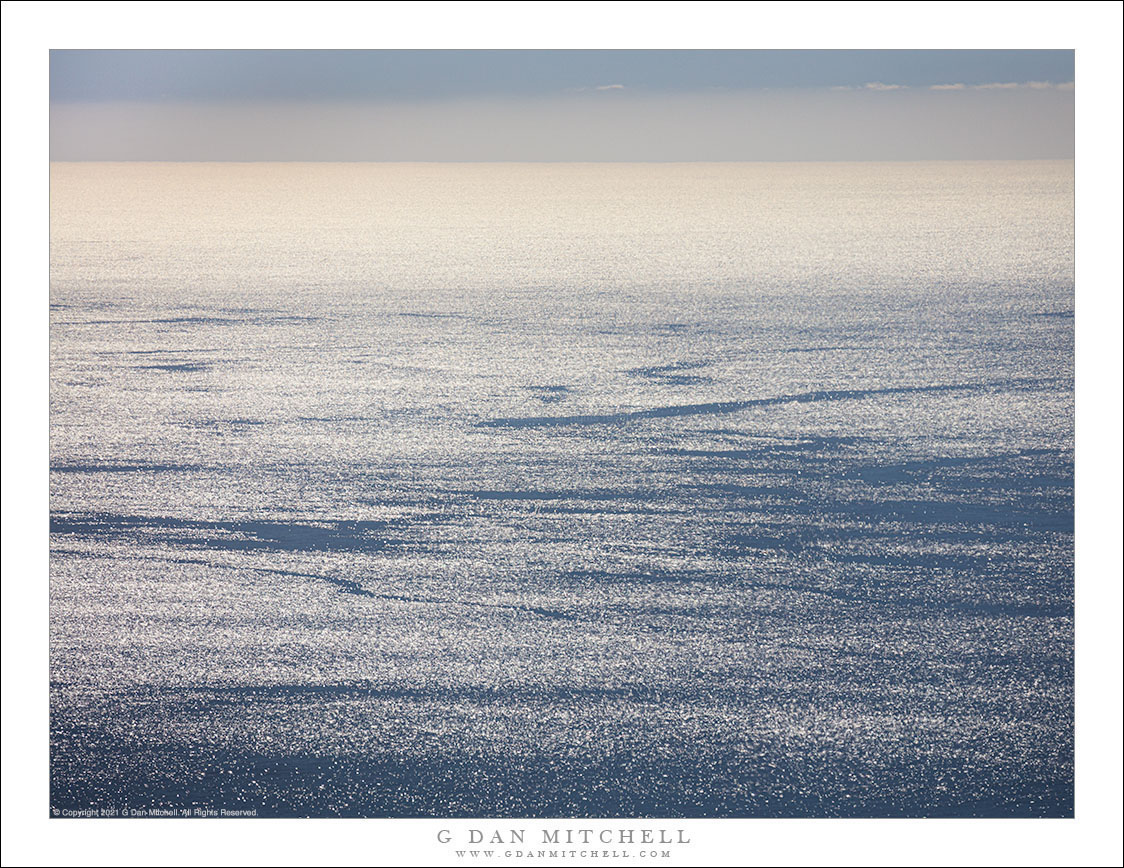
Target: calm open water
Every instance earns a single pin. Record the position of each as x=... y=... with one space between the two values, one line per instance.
x=563 y=490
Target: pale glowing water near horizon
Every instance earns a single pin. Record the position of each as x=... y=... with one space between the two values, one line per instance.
x=713 y=489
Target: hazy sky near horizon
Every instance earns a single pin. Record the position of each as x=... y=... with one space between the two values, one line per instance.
x=561 y=105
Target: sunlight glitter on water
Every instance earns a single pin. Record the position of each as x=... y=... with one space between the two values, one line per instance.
x=563 y=490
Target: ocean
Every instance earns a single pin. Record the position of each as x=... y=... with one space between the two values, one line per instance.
x=562 y=490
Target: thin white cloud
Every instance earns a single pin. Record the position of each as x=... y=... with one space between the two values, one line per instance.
x=1006 y=85
x=883 y=86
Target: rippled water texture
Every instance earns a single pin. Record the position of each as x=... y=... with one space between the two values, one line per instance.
x=563 y=490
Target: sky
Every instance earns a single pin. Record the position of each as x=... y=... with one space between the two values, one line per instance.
x=521 y=105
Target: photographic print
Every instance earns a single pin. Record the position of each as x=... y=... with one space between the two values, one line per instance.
x=562 y=434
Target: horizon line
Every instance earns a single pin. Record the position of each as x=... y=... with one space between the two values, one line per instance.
x=593 y=162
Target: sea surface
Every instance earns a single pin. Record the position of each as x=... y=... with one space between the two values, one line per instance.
x=567 y=490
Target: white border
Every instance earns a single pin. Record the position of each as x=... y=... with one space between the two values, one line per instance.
x=30 y=29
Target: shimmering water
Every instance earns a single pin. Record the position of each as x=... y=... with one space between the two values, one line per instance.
x=563 y=490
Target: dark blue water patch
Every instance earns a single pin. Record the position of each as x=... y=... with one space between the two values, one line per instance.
x=89 y=304
x=1065 y=314
x=1009 y=609
x=750 y=491
x=827 y=349
x=256 y=314
x=814 y=443
x=919 y=595
x=200 y=320
x=671 y=374
x=1030 y=515
x=1029 y=491
x=750 y=544
x=721 y=407
x=353 y=587
x=248 y=536
x=1022 y=467
x=175 y=352
x=773 y=448
x=963 y=519
x=225 y=425
x=1033 y=491
x=813 y=527
x=419 y=314
x=593 y=578
x=581 y=501
x=345 y=586
x=740 y=434
x=177 y=367
x=549 y=394
x=758 y=452
x=178 y=320
x=928 y=562
x=767 y=452
x=334 y=419
x=600 y=508
x=565 y=494
x=124 y=467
